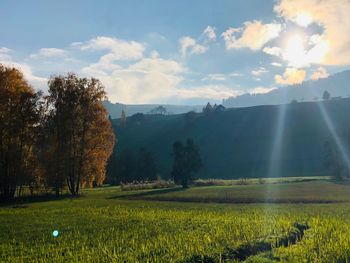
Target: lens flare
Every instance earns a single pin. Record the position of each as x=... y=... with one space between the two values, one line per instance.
x=55 y=233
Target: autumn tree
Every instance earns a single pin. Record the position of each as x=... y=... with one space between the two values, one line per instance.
x=187 y=161
x=80 y=133
x=19 y=118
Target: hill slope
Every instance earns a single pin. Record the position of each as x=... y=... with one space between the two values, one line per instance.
x=238 y=142
x=337 y=85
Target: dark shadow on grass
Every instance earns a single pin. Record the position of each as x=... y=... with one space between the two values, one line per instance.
x=254 y=247
x=341 y=182
x=20 y=202
x=137 y=195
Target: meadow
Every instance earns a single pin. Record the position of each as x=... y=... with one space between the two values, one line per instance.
x=212 y=225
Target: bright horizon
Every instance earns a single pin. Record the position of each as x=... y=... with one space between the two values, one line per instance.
x=177 y=52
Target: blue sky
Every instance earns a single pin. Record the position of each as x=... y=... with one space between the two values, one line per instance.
x=179 y=52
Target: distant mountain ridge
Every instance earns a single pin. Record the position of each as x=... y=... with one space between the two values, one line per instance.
x=115 y=109
x=338 y=85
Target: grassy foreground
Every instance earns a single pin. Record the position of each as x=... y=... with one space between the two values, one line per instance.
x=109 y=225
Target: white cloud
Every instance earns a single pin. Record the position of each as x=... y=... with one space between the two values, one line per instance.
x=215 y=77
x=273 y=51
x=4 y=53
x=145 y=81
x=253 y=35
x=235 y=74
x=208 y=92
x=259 y=71
x=333 y=17
x=118 y=49
x=209 y=34
x=190 y=46
x=276 y=64
x=319 y=73
x=291 y=76
x=48 y=52
x=260 y=90
x=7 y=60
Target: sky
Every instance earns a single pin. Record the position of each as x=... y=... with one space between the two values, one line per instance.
x=177 y=51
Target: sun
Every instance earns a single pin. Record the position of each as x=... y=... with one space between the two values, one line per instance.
x=303 y=19
x=299 y=56
x=295 y=52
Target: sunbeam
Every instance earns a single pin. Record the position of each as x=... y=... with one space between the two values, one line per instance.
x=334 y=134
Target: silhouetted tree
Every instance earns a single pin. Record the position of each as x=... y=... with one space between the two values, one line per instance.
x=207 y=109
x=334 y=161
x=123 y=119
x=145 y=166
x=159 y=110
x=179 y=166
x=125 y=168
x=187 y=161
x=326 y=95
x=194 y=160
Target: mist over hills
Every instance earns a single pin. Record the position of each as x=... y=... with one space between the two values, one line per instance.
x=238 y=142
x=312 y=90
x=338 y=85
x=115 y=109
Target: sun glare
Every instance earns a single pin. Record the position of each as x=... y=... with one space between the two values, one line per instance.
x=294 y=52
x=303 y=19
x=298 y=56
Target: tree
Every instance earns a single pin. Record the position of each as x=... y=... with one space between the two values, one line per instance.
x=334 y=161
x=187 y=161
x=123 y=119
x=159 y=110
x=19 y=118
x=194 y=160
x=179 y=166
x=80 y=133
x=125 y=168
x=145 y=166
x=326 y=95
x=207 y=109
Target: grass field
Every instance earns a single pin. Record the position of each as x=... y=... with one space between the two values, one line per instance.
x=110 y=225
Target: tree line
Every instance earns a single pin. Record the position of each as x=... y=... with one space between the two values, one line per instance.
x=130 y=167
x=56 y=141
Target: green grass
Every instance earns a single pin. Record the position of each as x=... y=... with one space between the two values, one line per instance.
x=108 y=225
x=320 y=191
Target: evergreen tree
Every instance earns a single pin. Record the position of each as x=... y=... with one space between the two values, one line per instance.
x=326 y=95
x=207 y=109
x=123 y=119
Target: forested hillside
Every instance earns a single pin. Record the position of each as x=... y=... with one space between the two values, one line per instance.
x=239 y=142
